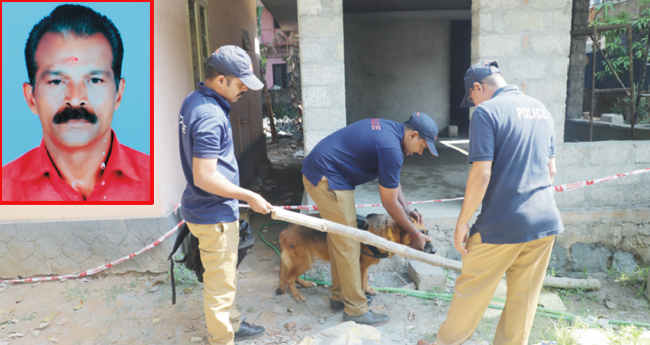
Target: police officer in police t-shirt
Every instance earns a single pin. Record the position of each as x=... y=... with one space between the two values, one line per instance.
x=512 y=151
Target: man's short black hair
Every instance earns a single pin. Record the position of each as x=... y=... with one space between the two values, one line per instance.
x=81 y=21
x=211 y=73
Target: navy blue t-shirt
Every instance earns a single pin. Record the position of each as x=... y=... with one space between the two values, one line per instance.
x=204 y=132
x=516 y=133
x=358 y=153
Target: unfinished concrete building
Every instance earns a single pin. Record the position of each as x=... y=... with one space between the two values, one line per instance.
x=388 y=59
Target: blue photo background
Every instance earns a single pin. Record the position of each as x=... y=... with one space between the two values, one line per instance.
x=21 y=129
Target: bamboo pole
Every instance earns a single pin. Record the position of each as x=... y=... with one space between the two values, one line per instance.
x=402 y=250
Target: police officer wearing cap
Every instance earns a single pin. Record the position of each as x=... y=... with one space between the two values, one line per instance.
x=512 y=152
x=361 y=152
x=209 y=202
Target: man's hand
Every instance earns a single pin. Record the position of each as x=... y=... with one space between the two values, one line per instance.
x=460 y=237
x=415 y=215
x=259 y=204
x=419 y=242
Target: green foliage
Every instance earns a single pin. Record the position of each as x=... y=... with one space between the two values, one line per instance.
x=635 y=280
x=111 y=293
x=183 y=277
x=616 y=52
x=77 y=293
x=628 y=335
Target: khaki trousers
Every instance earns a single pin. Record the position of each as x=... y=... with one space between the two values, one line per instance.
x=218 y=245
x=338 y=206
x=525 y=267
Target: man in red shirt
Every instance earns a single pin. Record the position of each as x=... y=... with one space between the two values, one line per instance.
x=74 y=62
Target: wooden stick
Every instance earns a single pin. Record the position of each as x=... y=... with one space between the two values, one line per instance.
x=402 y=250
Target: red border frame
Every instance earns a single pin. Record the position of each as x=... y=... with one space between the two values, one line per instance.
x=151 y=120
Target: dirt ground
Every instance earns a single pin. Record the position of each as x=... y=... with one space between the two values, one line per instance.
x=137 y=309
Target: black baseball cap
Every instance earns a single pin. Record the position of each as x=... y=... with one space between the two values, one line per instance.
x=427 y=128
x=235 y=62
x=476 y=73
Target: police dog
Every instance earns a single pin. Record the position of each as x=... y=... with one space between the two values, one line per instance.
x=301 y=246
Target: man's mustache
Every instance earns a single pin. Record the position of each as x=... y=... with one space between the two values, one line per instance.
x=74 y=113
x=241 y=93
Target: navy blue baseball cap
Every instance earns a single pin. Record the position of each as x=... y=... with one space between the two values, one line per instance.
x=476 y=73
x=427 y=128
x=235 y=62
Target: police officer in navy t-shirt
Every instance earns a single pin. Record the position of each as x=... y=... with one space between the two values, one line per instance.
x=361 y=152
x=512 y=151
x=209 y=201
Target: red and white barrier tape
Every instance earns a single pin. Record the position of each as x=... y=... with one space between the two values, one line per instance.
x=100 y=268
x=560 y=188
x=314 y=207
x=576 y=185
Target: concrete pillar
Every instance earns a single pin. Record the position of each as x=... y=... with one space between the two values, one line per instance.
x=320 y=23
x=576 y=81
x=530 y=39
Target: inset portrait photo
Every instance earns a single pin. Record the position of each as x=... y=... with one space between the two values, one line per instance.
x=76 y=103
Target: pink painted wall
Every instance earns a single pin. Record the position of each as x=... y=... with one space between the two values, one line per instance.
x=267 y=35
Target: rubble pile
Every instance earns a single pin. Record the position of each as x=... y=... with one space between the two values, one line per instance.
x=289 y=137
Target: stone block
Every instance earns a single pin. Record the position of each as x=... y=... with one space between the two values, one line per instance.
x=36 y=265
x=160 y=252
x=493 y=46
x=426 y=276
x=591 y=257
x=642 y=156
x=325 y=75
x=130 y=245
x=105 y=249
x=20 y=248
x=129 y=265
x=624 y=262
x=7 y=232
x=558 y=258
x=92 y=262
x=315 y=96
x=63 y=265
x=11 y=267
x=113 y=230
x=142 y=228
x=58 y=232
x=77 y=250
x=46 y=247
x=85 y=230
x=3 y=249
x=612 y=118
x=146 y=263
x=518 y=21
x=647 y=288
x=309 y=7
x=551 y=44
x=28 y=231
x=498 y=5
x=320 y=27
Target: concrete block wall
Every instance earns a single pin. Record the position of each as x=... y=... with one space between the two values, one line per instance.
x=34 y=249
x=322 y=68
x=531 y=41
x=587 y=161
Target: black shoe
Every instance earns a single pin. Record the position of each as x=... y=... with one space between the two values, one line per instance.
x=337 y=306
x=246 y=331
x=369 y=318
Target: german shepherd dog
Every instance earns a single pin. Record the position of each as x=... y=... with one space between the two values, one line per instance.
x=301 y=246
